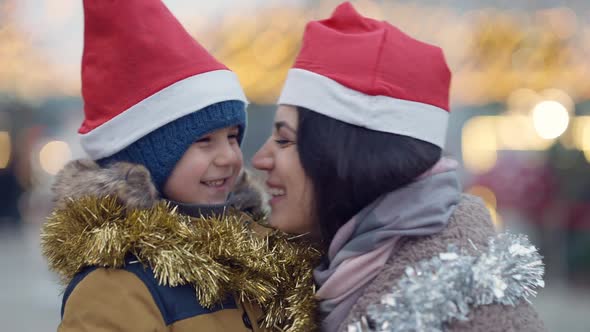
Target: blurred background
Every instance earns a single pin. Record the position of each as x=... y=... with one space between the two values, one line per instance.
x=520 y=121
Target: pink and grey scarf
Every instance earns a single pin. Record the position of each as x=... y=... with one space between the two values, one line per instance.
x=363 y=245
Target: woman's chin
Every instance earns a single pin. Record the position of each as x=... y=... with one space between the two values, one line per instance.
x=273 y=221
x=284 y=225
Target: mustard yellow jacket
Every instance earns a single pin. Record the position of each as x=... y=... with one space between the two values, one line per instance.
x=131 y=299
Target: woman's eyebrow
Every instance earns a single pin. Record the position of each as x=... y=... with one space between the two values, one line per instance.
x=283 y=124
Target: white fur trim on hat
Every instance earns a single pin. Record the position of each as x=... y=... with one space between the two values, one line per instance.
x=173 y=102
x=386 y=114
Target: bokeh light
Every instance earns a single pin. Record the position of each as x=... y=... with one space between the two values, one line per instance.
x=489 y=198
x=54 y=155
x=550 y=119
x=484 y=193
x=584 y=140
x=496 y=218
x=479 y=144
x=517 y=133
x=5 y=149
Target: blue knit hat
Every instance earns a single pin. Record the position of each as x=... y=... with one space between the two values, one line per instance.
x=161 y=149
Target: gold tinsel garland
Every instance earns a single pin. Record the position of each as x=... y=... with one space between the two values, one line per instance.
x=217 y=255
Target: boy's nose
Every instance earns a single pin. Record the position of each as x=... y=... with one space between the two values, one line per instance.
x=227 y=155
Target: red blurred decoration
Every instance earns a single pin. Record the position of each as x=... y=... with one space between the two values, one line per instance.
x=519 y=184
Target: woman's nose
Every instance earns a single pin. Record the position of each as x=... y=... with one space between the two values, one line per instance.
x=263 y=159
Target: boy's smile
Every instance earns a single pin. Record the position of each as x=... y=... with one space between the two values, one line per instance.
x=219 y=189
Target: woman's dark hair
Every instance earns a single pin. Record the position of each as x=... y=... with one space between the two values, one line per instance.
x=351 y=166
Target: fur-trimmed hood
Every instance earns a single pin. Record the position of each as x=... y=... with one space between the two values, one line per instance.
x=131 y=184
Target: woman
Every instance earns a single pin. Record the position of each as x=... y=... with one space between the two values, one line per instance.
x=355 y=162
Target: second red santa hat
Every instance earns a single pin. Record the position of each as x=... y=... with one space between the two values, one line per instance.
x=371 y=74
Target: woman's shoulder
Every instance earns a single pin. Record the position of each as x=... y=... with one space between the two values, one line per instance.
x=470 y=226
x=469 y=223
x=469 y=230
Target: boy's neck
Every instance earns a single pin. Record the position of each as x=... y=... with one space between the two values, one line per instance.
x=201 y=210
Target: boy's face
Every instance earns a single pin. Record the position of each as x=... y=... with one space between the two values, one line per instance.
x=207 y=171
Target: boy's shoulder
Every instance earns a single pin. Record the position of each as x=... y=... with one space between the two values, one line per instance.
x=174 y=302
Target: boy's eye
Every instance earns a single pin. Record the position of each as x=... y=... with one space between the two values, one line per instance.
x=204 y=140
x=232 y=136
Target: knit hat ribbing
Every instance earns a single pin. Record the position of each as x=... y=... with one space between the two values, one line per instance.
x=161 y=149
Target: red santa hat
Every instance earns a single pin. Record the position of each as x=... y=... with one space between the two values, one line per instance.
x=370 y=74
x=140 y=71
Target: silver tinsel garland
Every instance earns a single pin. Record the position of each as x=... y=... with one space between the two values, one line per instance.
x=449 y=285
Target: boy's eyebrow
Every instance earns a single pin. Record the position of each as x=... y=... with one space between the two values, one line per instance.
x=283 y=124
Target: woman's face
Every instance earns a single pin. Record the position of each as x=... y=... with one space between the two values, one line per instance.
x=289 y=187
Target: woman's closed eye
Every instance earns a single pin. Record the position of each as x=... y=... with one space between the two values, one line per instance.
x=281 y=142
x=282 y=130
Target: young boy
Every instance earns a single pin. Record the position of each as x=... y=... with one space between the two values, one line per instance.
x=143 y=234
